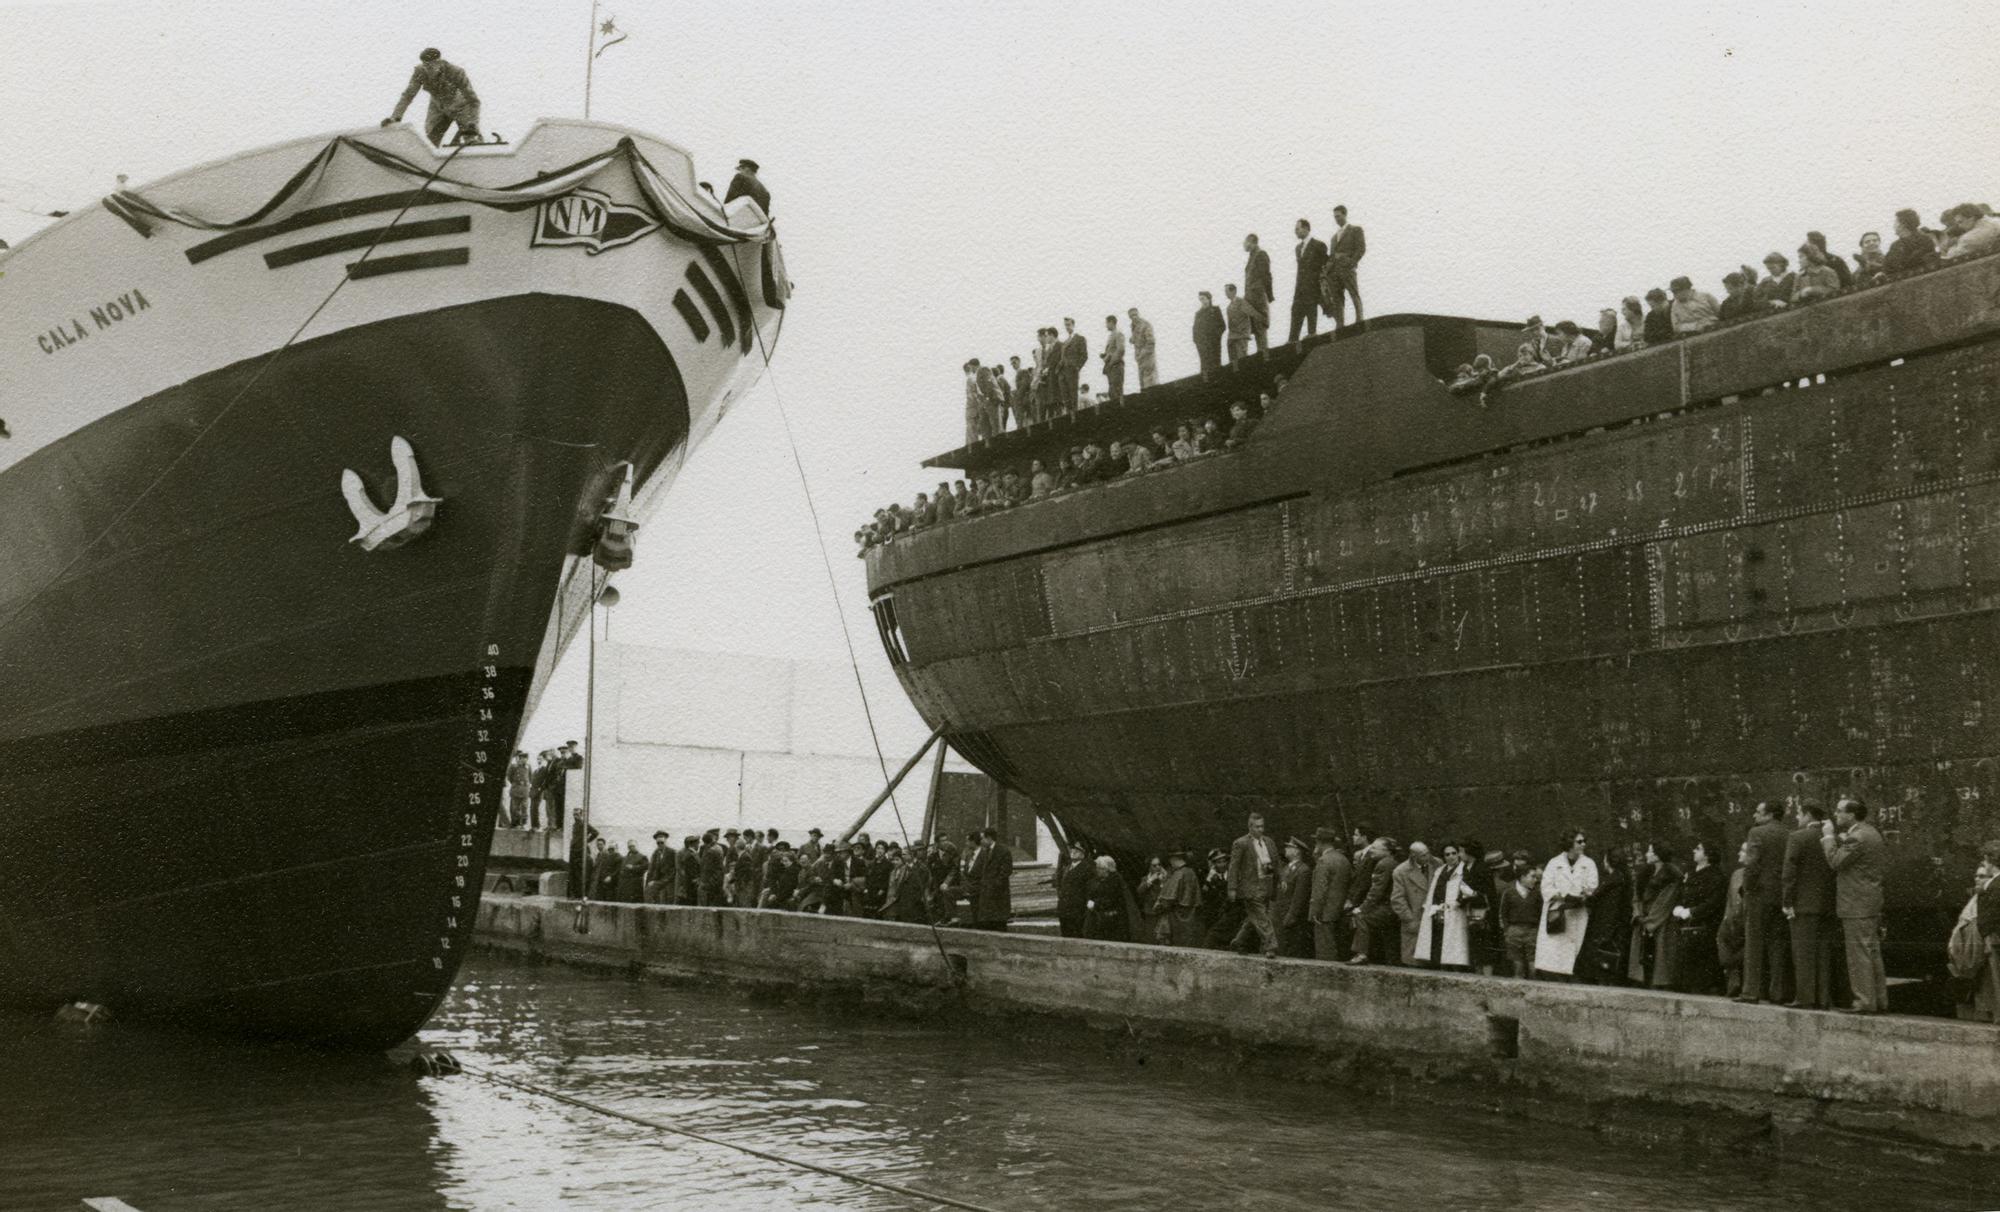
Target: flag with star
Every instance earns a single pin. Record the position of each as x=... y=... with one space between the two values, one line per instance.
x=608 y=36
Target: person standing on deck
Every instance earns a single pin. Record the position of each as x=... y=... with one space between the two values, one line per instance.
x=745 y=184
x=1311 y=258
x=1114 y=361
x=1568 y=881
x=1341 y=279
x=1242 y=323
x=1142 y=348
x=452 y=99
x=1209 y=327
x=1075 y=356
x=1257 y=291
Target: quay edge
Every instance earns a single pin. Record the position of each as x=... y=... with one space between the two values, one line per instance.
x=1837 y=1087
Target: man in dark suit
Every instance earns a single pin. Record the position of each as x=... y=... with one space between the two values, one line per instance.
x=1766 y=941
x=1311 y=257
x=660 y=870
x=714 y=866
x=1808 y=899
x=1343 y=264
x=1257 y=290
x=990 y=883
x=1856 y=855
x=1328 y=907
x=687 y=872
x=1075 y=356
x=1253 y=881
x=1208 y=329
x=746 y=185
x=1375 y=927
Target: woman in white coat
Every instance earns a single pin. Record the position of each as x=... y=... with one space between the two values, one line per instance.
x=1442 y=936
x=1567 y=883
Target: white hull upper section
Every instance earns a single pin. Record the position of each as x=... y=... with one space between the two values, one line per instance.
x=95 y=316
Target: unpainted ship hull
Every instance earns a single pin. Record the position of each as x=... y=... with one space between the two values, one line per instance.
x=1638 y=597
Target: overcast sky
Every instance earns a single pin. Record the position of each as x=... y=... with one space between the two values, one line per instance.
x=949 y=177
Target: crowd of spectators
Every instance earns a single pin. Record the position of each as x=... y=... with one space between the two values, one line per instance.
x=923 y=883
x=1966 y=230
x=1759 y=923
x=1791 y=916
x=1082 y=466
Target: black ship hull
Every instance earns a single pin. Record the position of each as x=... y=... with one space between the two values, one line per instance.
x=248 y=771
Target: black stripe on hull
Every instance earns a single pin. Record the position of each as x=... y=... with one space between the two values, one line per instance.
x=353 y=208
x=691 y=315
x=442 y=258
x=709 y=295
x=451 y=225
x=248 y=773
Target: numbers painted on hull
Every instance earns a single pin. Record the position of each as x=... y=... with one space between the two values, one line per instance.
x=480 y=756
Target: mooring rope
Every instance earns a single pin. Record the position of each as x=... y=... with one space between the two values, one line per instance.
x=833 y=585
x=764 y=1154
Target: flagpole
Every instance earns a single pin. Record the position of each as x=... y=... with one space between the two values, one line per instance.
x=590 y=60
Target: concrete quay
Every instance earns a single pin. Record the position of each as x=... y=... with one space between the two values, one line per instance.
x=1656 y=1065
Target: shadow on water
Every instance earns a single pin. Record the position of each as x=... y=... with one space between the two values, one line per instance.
x=1009 y=1119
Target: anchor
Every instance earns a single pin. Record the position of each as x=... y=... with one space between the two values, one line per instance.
x=613 y=551
x=407 y=518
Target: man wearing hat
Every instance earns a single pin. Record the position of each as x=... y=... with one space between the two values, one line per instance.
x=632 y=876
x=992 y=883
x=1328 y=908
x=687 y=872
x=744 y=864
x=518 y=776
x=452 y=99
x=1290 y=910
x=1253 y=881
x=1221 y=917
x=809 y=853
x=746 y=185
x=660 y=870
x=714 y=866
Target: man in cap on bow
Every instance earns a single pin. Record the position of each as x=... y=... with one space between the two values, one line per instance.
x=452 y=99
x=746 y=185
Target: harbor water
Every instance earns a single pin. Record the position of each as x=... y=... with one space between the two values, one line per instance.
x=176 y=1123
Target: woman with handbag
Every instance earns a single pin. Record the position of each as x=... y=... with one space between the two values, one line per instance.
x=1698 y=916
x=1567 y=883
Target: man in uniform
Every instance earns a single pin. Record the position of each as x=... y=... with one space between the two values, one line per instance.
x=452 y=99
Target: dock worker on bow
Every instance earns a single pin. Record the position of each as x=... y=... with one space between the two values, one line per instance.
x=452 y=99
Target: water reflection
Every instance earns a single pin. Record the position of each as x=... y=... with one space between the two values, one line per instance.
x=171 y=1122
